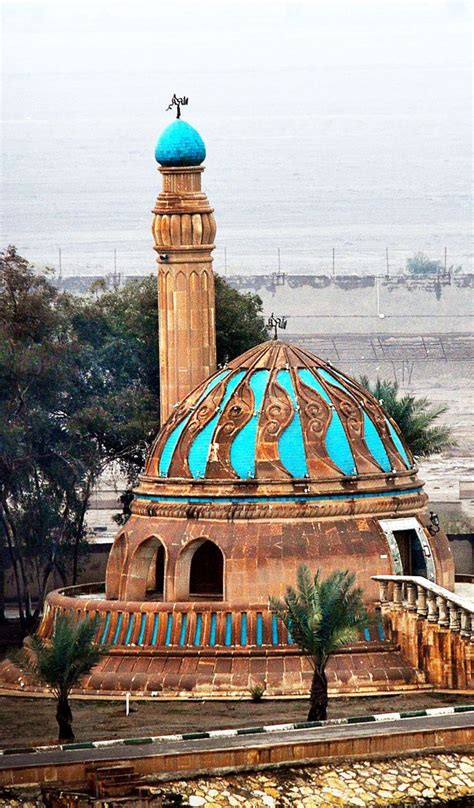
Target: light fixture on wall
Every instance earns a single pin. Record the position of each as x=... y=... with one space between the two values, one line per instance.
x=434 y=527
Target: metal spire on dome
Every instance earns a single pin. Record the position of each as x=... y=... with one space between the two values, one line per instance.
x=276 y=323
x=178 y=103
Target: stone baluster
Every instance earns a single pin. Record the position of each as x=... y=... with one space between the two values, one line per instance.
x=383 y=593
x=465 y=623
x=397 y=594
x=411 y=597
x=443 y=619
x=454 y=617
x=432 y=607
x=421 y=606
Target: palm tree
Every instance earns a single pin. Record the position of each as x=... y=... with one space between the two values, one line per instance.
x=321 y=616
x=60 y=663
x=414 y=416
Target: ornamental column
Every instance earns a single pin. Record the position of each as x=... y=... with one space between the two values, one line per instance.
x=184 y=230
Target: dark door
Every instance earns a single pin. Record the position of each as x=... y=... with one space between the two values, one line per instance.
x=206 y=576
x=160 y=570
x=411 y=552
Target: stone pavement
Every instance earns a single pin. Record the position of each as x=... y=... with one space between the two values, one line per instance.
x=428 y=780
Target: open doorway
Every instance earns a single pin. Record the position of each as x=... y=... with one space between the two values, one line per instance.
x=410 y=547
x=206 y=573
x=411 y=553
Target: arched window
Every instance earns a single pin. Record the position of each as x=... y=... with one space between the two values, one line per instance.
x=206 y=574
x=155 y=584
x=200 y=572
x=146 y=571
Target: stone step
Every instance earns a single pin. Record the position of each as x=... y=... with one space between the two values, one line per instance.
x=112 y=781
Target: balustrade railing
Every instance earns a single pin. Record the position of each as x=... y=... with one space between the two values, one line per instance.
x=429 y=601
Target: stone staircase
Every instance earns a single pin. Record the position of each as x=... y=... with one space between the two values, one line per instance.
x=113 y=785
x=112 y=780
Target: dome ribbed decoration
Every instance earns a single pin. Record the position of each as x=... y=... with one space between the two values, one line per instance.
x=278 y=413
x=180 y=145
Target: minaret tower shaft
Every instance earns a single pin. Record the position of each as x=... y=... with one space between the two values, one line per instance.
x=183 y=230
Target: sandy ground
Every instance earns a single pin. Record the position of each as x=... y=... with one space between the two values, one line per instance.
x=442 y=472
x=26 y=720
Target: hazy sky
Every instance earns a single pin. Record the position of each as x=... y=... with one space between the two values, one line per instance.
x=356 y=96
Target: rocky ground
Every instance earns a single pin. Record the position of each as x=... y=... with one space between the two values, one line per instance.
x=418 y=781
x=442 y=779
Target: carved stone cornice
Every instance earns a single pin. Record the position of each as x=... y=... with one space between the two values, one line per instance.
x=231 y=511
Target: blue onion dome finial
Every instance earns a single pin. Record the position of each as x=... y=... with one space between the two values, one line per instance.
x=180 y=144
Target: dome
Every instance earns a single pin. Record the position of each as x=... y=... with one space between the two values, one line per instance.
x=180 y=145
x=278 y=413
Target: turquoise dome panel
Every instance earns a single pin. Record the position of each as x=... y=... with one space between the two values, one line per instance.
x=400 y=448
x=372 y=438
x=337 y=444
x=180 y=145
x=291 y=443
x=199 y=451
x=374 y=444
x=244 y=446
x=172 y=442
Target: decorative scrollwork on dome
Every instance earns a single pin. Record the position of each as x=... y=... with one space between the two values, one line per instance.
x=279 y=414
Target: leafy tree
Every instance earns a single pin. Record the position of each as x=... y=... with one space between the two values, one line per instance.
x=322 y=616
x=40 y=461
x=60 y=663
x=420 y=264
x=74 y=397
x=415 y=417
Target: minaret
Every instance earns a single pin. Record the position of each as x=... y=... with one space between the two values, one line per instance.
x=184 y=230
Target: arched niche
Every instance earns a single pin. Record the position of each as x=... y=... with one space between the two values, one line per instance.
x=200 y=571
x=155 y=583
x=147 y=571
x=115 y=567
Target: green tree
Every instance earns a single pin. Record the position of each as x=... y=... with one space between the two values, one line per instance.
x=40 y=461
x=420 y=264
x=60 y=663
x=415 y=417
x=322 y=616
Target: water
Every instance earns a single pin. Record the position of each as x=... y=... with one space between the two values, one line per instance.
x=338 y=125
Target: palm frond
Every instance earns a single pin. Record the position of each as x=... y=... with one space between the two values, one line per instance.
x=322 y=614
x=70 y=654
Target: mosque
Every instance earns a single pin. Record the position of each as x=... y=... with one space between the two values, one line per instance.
x=273 y=460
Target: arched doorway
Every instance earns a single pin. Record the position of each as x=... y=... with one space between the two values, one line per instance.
x=146 y=571
x=410 y=547
x=155 y=584
x=200 y=572
x=411 y=553
x=206 y=573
